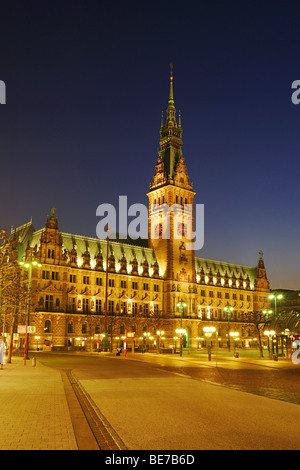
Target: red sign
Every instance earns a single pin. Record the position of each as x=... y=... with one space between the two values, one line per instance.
x=131 y=334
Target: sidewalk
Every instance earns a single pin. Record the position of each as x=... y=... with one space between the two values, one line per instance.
x=33 y=408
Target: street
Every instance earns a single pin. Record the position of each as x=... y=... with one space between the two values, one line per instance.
x=160 y=402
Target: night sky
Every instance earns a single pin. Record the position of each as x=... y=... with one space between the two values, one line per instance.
x=87 y=82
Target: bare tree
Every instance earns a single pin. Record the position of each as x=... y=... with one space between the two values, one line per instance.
x=257 y=320
x=13 y=296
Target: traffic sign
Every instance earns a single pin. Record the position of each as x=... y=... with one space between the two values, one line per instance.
x=22 y=329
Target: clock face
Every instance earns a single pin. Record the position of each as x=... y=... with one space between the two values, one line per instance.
x=158 y=230
x=182 y=230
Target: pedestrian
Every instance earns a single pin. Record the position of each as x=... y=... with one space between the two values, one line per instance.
x=2 y=353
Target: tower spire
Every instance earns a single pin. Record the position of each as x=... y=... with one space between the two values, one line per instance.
x=171 y=94
x=171 y=111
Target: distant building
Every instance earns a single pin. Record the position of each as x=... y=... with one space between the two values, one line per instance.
x=162 y=286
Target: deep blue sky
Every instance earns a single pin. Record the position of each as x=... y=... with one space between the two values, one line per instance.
x=87 y=81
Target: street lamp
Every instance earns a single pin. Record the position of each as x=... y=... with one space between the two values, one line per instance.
x=159 y=334
x=267 y=312
x=28 y=265
x=228 y=309
x=270 y=334
x=182 y=305
x=275 y=297
x=146 y=336
x=234 y=335
x=208 y=331
x=181 y=332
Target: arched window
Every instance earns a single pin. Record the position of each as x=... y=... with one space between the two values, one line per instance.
x=48 y=326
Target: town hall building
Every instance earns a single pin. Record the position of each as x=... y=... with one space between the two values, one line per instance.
x=88 y=292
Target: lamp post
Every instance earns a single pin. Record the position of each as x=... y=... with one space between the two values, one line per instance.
x=267 y=312
x=159 y=334
x=234 y=335
x=270 y=334
x=182 y=305
x=181 y=332
x=208 y=331
x=228 y=309
x=105 y=341
x=146 y=340
x=175 y=338
x=28 y=265
x=275 y=297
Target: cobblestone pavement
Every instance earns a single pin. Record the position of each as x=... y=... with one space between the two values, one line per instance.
x=278 y=384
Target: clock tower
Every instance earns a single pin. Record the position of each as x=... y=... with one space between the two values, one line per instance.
x=171 y=213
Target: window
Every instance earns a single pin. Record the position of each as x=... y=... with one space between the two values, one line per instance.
x=134 y=308
x=98 y=305
x=241 y=297
x=211 y=293
x=146 y=309
x=110 y=306
x=219 y=295
x=203 y=293
x=234 y=296
x=54 y=276
x=123 y=284
x=156 y=310
x=156 y=288
x=86 y=280
x=84 y=328
x=72 y=304
x=146 y=286
x=73 y=278
x=50 y=253
x=70 y=327
x=111 y=282
x=85 y=305
x=49 y=302
x=134 y=285
x=48 y=326
x=123 y=308
x=45 y=275
x=98 y=281
x=248 y=298
x=226 y=295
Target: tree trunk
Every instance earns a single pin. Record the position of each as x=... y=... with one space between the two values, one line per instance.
x=10 y=347
x=259 y=342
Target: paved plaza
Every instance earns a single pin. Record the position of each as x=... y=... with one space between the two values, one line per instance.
x=40 y=412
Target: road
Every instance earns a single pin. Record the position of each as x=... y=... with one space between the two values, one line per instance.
x=156 y=402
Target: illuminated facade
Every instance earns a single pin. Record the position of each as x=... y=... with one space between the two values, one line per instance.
x=159 y=286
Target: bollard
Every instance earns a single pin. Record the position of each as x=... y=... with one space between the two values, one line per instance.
x=33 y=361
